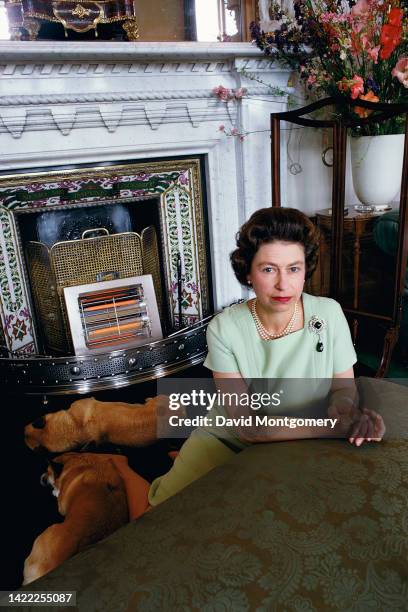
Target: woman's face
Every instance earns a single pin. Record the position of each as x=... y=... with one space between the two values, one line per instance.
x=278 y=274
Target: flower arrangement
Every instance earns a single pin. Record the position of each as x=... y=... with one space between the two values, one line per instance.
x=345 y=49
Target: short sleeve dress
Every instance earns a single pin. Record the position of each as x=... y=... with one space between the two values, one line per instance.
x=234 y=344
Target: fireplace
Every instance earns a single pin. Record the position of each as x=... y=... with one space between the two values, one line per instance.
x=133 y=130
x=52 y=211
x=52 y=208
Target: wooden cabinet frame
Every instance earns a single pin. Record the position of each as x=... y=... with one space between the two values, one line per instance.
x=386 y=111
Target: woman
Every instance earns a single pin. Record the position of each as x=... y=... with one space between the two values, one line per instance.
x=281 y=333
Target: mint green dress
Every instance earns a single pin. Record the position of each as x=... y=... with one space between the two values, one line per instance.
x=234 y=345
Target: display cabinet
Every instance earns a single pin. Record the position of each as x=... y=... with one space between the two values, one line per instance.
x=383 y=303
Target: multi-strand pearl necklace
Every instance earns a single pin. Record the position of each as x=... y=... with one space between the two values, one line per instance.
x=264 y=333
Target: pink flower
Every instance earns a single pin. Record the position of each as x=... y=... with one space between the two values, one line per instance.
x=400 y=71
x=240 y=93
x=373 y=53
x=222 y=128
x=234 y=131
x=357 y=25
x=356 y=86
x=361 y=9
x=311 y=79
x=365 y=41
x=223 y=93
x=326 y=17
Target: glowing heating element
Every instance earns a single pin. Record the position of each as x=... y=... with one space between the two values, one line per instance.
x=111 y=315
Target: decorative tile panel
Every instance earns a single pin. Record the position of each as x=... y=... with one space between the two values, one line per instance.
x=16 y=318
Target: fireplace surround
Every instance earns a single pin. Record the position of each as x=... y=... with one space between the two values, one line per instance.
x=175 y=186
x=120 y=115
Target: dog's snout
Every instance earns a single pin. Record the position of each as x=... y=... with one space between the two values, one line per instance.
x=39 y=423
x=44 y=479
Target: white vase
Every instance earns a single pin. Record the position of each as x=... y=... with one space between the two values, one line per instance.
x=376 y=165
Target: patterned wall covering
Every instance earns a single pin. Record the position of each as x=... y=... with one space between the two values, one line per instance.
x=176 y=183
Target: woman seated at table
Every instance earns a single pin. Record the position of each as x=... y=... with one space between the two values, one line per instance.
x=281 y=333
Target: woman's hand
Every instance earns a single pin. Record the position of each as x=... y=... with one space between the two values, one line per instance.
x=358 y=425
x=369 y=427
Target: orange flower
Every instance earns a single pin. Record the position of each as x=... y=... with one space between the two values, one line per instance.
x=369 y=97
x=355 y=86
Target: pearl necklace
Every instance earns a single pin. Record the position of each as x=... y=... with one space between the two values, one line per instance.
x=264 y=333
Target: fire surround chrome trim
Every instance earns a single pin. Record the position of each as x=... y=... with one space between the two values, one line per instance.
x=83 y=374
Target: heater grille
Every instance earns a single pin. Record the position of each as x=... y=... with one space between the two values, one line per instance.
x=83 y=262
x=114 y=317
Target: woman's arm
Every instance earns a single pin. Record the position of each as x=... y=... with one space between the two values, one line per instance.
x=360 y=425
x=253 y=435
x=344 y=401
x=137 y=488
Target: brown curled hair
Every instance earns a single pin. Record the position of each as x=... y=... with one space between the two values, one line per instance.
x=270 y=224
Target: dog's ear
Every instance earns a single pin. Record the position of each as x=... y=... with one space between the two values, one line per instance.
x=39 y=423
x=81 y=410
x=56 y=467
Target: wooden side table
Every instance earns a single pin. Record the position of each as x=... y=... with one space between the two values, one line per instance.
x=356 y=226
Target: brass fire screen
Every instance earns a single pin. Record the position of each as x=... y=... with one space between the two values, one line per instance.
x=79 y=262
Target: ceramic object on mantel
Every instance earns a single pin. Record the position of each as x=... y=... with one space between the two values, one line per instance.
x=376 y=164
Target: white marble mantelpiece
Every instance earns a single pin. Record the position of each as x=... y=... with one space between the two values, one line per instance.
x=11 y=51
x=64 y=103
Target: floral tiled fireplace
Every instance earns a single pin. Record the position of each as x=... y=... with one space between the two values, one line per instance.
x=176 y=186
